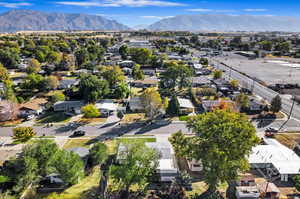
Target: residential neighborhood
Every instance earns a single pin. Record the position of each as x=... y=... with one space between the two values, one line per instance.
x=141 y=114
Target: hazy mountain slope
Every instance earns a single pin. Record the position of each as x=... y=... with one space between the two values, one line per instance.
x=228 y=23
x=17 y=20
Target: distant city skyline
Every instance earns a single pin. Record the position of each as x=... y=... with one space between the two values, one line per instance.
x=137 y=12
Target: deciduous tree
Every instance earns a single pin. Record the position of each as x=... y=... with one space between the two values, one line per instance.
x=23 y=134
x=223 y=141
x=90 y=111
x=136 y=168
x=152 y=102
x=98 y=154
x=276 y=104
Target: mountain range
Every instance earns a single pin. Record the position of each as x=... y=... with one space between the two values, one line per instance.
x=29 y=20
x=228 y=23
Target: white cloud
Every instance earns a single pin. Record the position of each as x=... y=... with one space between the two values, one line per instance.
x=14 y=5
x=119 y=3
x=208 y=10
x=255 y=10
x=199 y=10
x=156 y=17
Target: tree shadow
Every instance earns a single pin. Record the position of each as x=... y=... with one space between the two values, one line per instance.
x=264 y=123
x=116 y=131
x=151 y=127
x=108 y=125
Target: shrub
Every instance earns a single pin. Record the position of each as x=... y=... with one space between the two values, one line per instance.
x=90 y=111
x=297 y=182
x=23 y=134
x=58 y=97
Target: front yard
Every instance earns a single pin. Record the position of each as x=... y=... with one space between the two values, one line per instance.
x=52 y=117
x=134 y=117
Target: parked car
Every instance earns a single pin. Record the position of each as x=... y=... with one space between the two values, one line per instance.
x=29 y=117
x=78 y=133
x=271 y=130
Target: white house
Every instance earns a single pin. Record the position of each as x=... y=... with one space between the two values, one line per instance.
x=106 y=106
x=68 y=106
x=276 y=158
x=186 y=106
x=167 y=168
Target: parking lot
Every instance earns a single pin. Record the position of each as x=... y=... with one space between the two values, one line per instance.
x=266 y=70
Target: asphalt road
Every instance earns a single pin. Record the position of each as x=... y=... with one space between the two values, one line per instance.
x=107 y=130
x=257 y=88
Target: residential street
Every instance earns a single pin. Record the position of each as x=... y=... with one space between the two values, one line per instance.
x=107 y=130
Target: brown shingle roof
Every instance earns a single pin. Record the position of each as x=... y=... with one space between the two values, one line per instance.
x=34 y=104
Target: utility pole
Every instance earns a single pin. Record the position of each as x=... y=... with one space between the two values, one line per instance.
x=292 y=108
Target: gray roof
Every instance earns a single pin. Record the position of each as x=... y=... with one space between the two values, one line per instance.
x=70 y=103
x=67 y=82
x=164 y=149
x=200 y=80
x=82 y=152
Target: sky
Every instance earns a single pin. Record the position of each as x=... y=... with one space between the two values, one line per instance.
x=145 y=12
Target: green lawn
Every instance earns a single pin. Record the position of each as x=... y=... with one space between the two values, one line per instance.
x=184 y=118
x=73 y=143
x=53 y=117
x=139 y=138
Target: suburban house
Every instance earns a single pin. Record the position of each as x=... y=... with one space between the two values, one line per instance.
x=68 y=106
x=246 y=180
x=67 y=83
x=247 y=192
x=167 y=169
x=126 y=63
x=246 y=188
x=269 y=190
x=135 y=104
x=210 y=105
x=185 y=106
x=200 y=81
x=276 y=158
x=106 y=106
x=146 y=83
x=149 y=72
x=203 y=71
x=223 y=86
x=255 y=105
x=33 y=107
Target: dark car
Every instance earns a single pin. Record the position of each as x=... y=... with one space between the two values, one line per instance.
x=78 y=133
x=271 y=130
